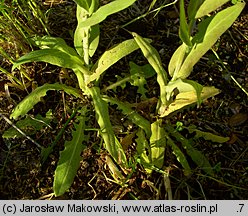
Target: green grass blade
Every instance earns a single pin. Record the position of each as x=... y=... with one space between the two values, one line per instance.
x=157 y=144
x=112 y=56
x=111 y=143
x=209 y=6
x=184 y=32
x=193 y=8
x=70 y=158
x=34 y=97
x=209 y=32
x=106 y=10
x=153 y=58
x=131 y=115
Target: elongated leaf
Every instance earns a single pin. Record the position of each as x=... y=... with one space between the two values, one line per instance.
x=193 y=8
x=70 y=158
x=207 y=135
x=196 y=155
x=54 y=43
x=184 y=99
x=179 y=155
x=206 y=38
x=177 y=59
x=112 y=144
x=111 y=56
x=34 y=97
x=143 y=150
x=209 y=6
x=106 y=10
x=132 y=115
x=184 y=32
x=52 y=56
x=153 y=58
x=157 y=143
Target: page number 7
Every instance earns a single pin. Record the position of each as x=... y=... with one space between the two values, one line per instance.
x=241 y=207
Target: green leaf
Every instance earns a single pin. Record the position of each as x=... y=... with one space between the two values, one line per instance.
x=34 y=97
x=70 y=158
x=196 y=155
x=184 y=99
x=86 y=39
x=184 y=32
x=193 y=8
x=207 y=135
x=55 y=43
x=102 y=115
x=209 y=6
x=52 y=56
x=106 y=10
x=132 y=115
x=152 y=55
x=139 y=74
x=184 y=86
x=143 y=150
x=177 y=59
x=205 y=39
x=179 y=155
x=112 y=56
x=158 y=144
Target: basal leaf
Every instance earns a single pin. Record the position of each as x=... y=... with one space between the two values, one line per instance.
x=52 y=56
x=207 y=135
x=209 y=6
x=111 y=56
x=34 y=97
x=70 y=158
x=179 y=155
x=132 y=115
x=157 y=144
x=106 y=10
x=197 y=156
x=153 y=58
x=184 y=99
x=111 y=143
x=202 y=42
x=184 y=32
x=143 y=150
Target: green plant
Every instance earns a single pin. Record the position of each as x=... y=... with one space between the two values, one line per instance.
x=152 y=138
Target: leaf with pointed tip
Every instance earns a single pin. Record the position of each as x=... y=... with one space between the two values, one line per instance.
x=70 y=158
x=209 y=6
x=104 y=11
x=112 y=56
x=152 y=55
x=184 y=32
x=34 y=97
x=211 y=29
x=52 y=56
